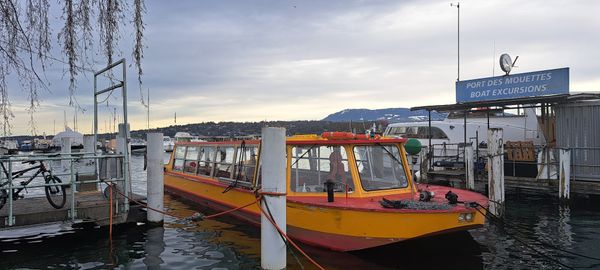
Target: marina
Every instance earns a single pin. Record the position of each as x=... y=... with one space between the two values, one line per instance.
x=311 y=135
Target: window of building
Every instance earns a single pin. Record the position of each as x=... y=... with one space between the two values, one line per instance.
x=312 y=166
x=380 y=167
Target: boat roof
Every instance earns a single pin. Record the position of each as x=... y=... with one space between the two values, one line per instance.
x=308 y=139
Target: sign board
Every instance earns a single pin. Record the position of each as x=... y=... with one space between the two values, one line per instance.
x=531 y=84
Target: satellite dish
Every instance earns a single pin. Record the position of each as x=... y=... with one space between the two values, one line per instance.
x=506 y=63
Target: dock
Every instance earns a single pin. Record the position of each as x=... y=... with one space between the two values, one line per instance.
x=456 y=178
x=91 y=207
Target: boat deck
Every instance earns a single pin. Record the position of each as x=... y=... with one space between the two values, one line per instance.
x=373 y=203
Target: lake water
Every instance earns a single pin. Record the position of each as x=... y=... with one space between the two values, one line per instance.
x=226 y=243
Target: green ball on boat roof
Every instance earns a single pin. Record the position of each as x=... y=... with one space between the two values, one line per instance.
x=412 y=146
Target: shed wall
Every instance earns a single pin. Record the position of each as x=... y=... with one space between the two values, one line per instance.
x=578 y=128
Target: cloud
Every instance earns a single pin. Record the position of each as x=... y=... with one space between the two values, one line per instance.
x=256 y=60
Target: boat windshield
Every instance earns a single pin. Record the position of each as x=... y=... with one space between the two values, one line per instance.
x=380 y=167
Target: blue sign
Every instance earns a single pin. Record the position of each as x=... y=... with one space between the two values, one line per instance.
x=532 y=84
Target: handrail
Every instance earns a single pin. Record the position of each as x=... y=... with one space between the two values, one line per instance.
x=70 y=181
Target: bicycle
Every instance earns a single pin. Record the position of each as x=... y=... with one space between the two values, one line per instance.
x=56 y=195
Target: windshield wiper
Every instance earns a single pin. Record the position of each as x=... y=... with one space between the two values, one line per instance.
x=391 y=154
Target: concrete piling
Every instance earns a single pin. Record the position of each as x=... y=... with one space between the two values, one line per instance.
x=273 y=249
x=65 y=151
x=469 y=167
x=564 y=185
x=155 y=187
x=496 y=171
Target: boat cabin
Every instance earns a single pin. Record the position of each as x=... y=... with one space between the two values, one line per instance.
x=355 y=167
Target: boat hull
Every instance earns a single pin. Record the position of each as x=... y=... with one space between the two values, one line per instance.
x=340 y=226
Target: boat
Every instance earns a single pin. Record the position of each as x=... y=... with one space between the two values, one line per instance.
x=168 y=144
x=9 y=147
x=183 y=137
x=75 y=137
x=523 y=127
x=375 y=201
x=26 y=145
x=137 y=145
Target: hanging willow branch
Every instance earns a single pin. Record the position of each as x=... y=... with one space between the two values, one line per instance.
x=25 y=44
x=138 y=48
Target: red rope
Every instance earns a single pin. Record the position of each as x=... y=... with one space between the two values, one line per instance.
x=289 y=239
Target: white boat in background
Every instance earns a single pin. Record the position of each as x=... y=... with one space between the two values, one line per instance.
x=183 y=137
x=76 y=139
x=168 y=144
x=137 y=145
x=451 y=130
x=9 y=147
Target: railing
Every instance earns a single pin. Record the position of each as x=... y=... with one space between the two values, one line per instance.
x=73 y=172
x=585 y=163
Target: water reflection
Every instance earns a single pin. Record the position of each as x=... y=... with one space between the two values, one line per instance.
x=155 y=245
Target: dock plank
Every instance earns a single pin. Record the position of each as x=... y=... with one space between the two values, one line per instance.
x=90 y=206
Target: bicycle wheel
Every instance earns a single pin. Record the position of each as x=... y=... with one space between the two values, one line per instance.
x=3 y=198
x=55 y=194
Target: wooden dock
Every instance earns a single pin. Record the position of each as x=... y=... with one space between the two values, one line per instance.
x=91 y=207
x=456 y=178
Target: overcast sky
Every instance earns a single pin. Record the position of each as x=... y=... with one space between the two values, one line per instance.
x=302 y=60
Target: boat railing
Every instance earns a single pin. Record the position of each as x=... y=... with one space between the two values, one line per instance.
x=74 y=170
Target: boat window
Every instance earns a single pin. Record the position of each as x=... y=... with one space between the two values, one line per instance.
x=191 y=160
x=224 y=161
x=417 y=132
x=179 y=158
x=245 y=163
x=206 y=155
x=380 y=167
x=313 y=165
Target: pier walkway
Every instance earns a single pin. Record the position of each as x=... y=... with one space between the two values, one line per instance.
x=91 y=207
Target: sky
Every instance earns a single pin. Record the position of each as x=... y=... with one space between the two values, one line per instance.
x=253 y=60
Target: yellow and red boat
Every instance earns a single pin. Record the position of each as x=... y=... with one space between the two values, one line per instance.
x=375 y=201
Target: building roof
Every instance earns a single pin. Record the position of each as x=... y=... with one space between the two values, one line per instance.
x=554 y=99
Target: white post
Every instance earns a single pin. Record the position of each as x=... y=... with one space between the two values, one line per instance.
x=564 y=185
x=89 y=165
x=65 y=151
x=496 y=171
x=273 y=158
x=155 y=181
x=469 y=167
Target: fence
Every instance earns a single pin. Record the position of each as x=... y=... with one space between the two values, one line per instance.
x=76 y=163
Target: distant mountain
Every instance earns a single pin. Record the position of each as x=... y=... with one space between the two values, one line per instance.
x=391 y=115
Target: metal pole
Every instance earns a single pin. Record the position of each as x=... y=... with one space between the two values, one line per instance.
x=126 y=136
x=457 y=39
x=95 y=111
x=11 y=218
x=430 y=155
x=148 y=109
